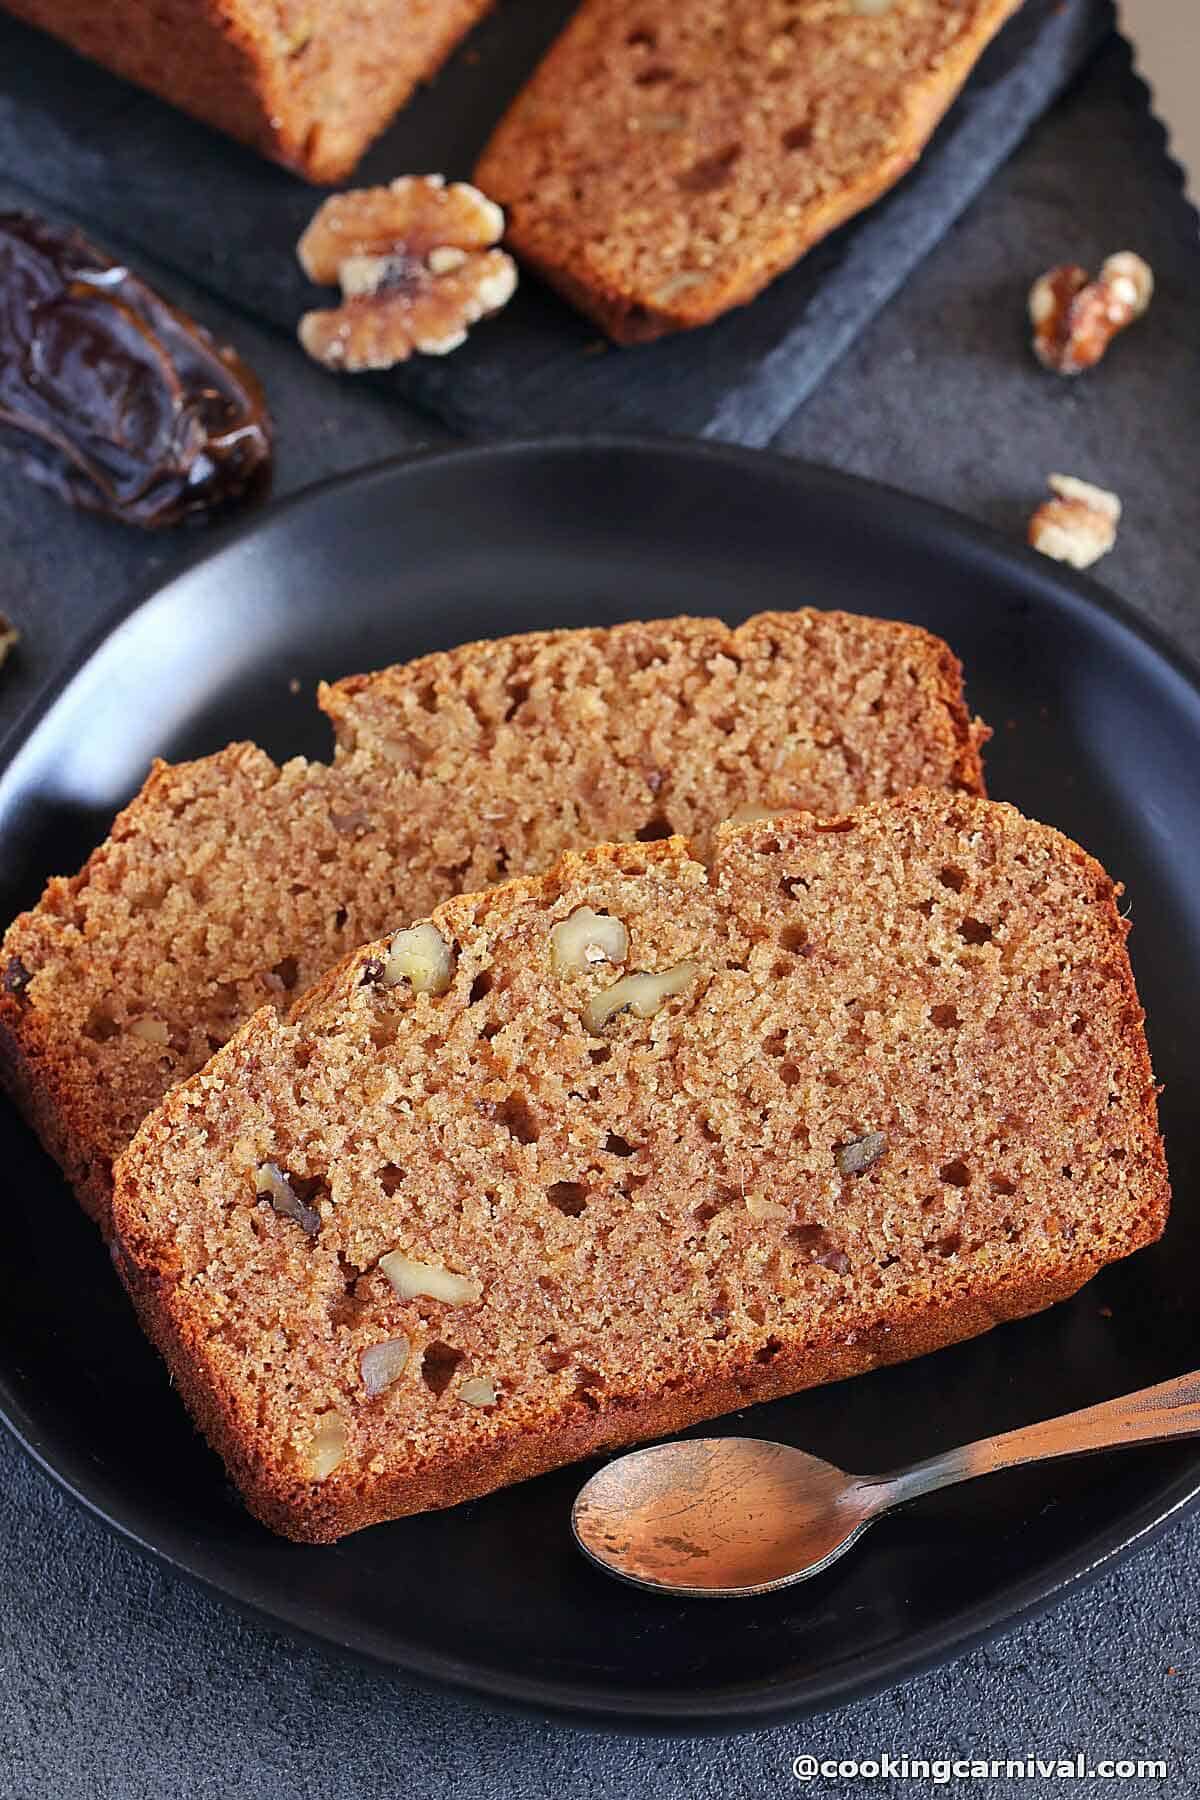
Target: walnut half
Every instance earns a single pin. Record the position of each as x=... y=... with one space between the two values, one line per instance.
x=417 y=266
x=1075 y=319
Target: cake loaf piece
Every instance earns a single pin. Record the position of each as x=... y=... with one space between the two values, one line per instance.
x=309 y=85
x=666 y=162
x=593 y=1156
x=230 y=882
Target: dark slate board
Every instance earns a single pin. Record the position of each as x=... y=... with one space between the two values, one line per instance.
x=228 y=220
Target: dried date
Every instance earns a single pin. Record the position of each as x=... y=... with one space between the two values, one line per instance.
x=112 y=397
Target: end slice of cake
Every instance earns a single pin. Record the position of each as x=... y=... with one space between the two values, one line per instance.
x=593 y=1156
x=309 y=86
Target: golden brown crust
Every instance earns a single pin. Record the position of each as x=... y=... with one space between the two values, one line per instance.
x=41 y=1069
x=93 y=942
x=750 y=101
x=970 y=734
x=997 y=1254
x=309 y=95
x=36 y=1077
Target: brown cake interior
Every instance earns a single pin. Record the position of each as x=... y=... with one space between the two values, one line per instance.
x=901 y=1092
x=231 y=883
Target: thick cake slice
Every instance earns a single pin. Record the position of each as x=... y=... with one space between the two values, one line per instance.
x=230 y=882
x=666 y=162
x=592 y=1156
x=307 y=85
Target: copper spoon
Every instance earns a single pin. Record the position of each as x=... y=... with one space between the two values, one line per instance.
x=720 y=1517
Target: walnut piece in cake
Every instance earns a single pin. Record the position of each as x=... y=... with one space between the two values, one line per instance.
x=586 y=938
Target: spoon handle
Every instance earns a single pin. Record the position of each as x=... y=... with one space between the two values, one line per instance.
x=1172 y=1409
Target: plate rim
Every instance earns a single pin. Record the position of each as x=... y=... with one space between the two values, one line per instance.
x=607 y=1707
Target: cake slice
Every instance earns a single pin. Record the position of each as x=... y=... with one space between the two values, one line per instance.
x=666 y=162
x=309 y=85
x=593 y=1156
x=231 y=882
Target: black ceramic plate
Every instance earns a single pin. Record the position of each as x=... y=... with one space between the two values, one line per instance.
x=1097 y=730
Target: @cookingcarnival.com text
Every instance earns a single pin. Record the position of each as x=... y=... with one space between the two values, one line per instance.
x=942 y=1770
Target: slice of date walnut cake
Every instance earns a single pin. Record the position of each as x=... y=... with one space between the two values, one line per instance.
x=232 y=882
x=591 y=1156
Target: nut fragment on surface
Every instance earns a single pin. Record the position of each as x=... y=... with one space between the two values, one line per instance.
x=382 y=1364
x=860 y=1153
x=412 y=1279
x=1075 y=319
x=422 y=956
x=641 y=994
x=417 y=264
x=328 y=1447
x=270 y=1183
x=10 y=637
x=1079 y=526
x=586 y=938
x=478 y=1390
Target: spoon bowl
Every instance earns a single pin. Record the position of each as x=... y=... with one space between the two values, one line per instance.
x=719 y=1517
x=723 y=1517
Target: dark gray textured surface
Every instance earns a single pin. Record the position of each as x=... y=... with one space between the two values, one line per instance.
x=82 y=138
x=118 y=1682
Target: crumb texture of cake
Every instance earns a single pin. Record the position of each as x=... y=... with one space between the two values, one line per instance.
x=880 y=1083
x=666 y=162
x=231 y=882
x=309 y=86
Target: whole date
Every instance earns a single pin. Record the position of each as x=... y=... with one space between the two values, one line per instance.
x=113 y=398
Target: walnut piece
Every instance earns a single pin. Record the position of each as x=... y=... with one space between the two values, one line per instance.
x=478 y=1390
x=1075 y=319
x=417 y=266
x=328 y=1446
x=270 y=1183
x=412 y=1279
x=860 y=1153
x=641 y=994
x=421 y=956
x=759 y=1206
x=382 y=1364
x=585 y=938
x=153 y=1031
x=1079 y=526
